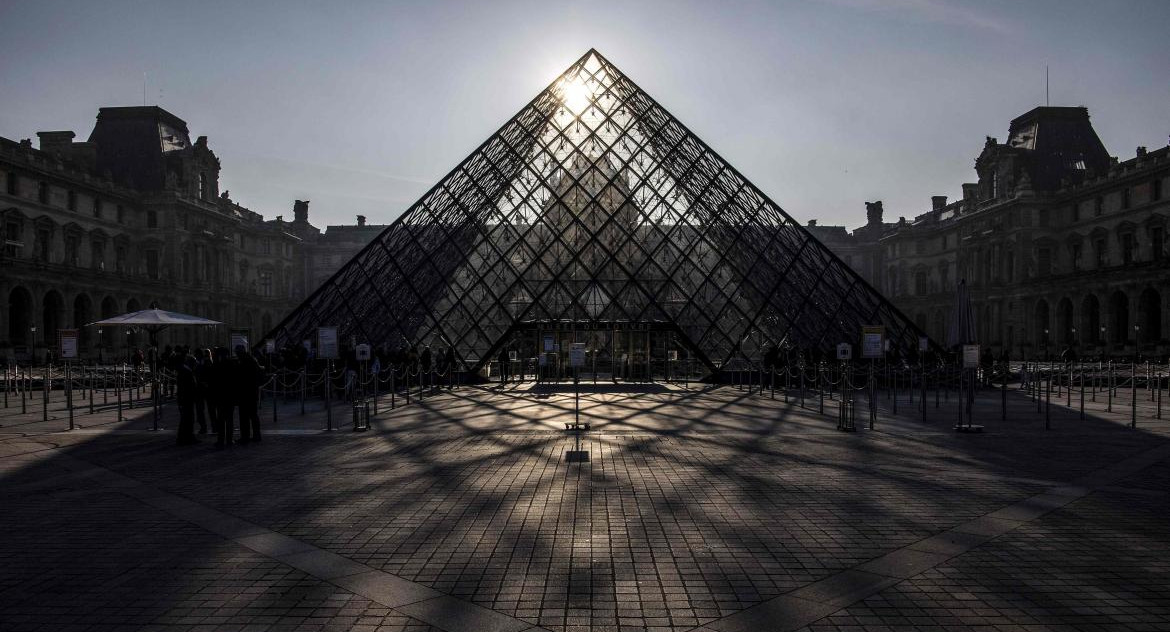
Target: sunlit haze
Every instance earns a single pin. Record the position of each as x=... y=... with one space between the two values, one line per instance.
x=360 y=107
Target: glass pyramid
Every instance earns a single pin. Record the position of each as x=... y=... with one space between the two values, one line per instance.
x=595 y=210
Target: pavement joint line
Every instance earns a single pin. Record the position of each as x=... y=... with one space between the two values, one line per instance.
x=408 y=597
x=812 y=602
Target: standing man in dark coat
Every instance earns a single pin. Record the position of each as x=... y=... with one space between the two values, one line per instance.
x=248 y=379
x=186 y=399
x=203 y=404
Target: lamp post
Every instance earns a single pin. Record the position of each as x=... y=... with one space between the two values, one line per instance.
x=1046 y=344
x=1101 y=341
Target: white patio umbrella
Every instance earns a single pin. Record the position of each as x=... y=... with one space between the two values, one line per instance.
x=154 y=320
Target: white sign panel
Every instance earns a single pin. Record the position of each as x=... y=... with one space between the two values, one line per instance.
x=512 y=355
x=327 y=343
x=68 y=339
x=844 y=351
x=239 y=339
x=923 y=343
x=872 y=344
x=548 y=343
x=362 y=352
x=970 y=356
x=577 y=356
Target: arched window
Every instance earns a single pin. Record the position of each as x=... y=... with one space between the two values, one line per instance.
x=1150 y=316
x=1119 y=317
x=1091 y=320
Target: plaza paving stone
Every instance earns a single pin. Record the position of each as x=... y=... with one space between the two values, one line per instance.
x=702 y=507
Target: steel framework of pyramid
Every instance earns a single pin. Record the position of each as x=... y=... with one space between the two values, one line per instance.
x=594 y=211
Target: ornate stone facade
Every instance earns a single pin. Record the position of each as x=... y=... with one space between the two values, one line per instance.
x=1060 y=244
x=132 y=217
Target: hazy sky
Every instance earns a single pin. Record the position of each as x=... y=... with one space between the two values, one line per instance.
x=362 y=106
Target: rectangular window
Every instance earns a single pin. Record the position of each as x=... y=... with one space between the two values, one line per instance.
x=1127 y=247
x=1099 y=206
x=1157 y=242
x=71 y=200
x=43 y=244
x=183 y=220
x=1044 y=261
x=266 y=283
x=72 y=247
x=1042 y=218
x=120 y=258
x=1155 y=190
x=97 y=255
x=1099 y=251
x=267 y=246
x=43 y=193
x=151 y=264
x=1010 y=264
x=1076 y=257
x=120 y=214
x=97 y=207
x=13 y=240
x=1125 y=198
x=151 y=219
x=13 y=184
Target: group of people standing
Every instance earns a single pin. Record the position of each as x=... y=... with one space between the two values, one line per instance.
x=210 y=386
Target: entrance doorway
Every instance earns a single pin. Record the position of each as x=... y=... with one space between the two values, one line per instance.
x=614 y=352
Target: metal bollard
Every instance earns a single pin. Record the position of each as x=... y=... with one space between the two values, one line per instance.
x=45 y=394
x=1133 y=396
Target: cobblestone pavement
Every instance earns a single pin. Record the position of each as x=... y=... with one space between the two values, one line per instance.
x=704 y=508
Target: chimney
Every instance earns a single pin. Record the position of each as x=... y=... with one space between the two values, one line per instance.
x=812 y=222
x=301 y=211
x=970 y=192
x=361 y=220
x=1141 y=152
x=56 y=142
x=937 y=202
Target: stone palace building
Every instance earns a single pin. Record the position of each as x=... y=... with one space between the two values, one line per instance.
x=1061 y=245
x=134 y=216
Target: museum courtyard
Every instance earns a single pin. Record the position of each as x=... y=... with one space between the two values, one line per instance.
x=683 y=507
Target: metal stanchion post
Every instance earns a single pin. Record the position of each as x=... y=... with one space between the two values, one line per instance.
x=1003 y=394
x=275 y=402
x=118 y=391
x=894 y=374
x=304 y=385
x=1048 y=402
x=45 y=396
x=1109 y=388
x=820 y=383
x=1133 y=395
x=1081 y=371
x=328 y=395
x=69 y=395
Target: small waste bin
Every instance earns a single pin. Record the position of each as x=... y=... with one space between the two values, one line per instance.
x=846 y=414
x=361 y=415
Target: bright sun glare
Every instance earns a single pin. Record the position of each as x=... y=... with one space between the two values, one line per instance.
x=575 y=96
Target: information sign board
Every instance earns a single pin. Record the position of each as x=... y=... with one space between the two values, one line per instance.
x=970 y=356
x=844 y=351
x=67 y=343
x=872 y=341
x=923 y=343
x=362 y=352
x=512 y=355
x=238 y=338
x=672 y=355
x=577 y=355
x=548 y=343
x=327 y=343
x=270 y=346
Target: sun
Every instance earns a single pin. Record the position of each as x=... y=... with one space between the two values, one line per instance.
x=575 y=95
